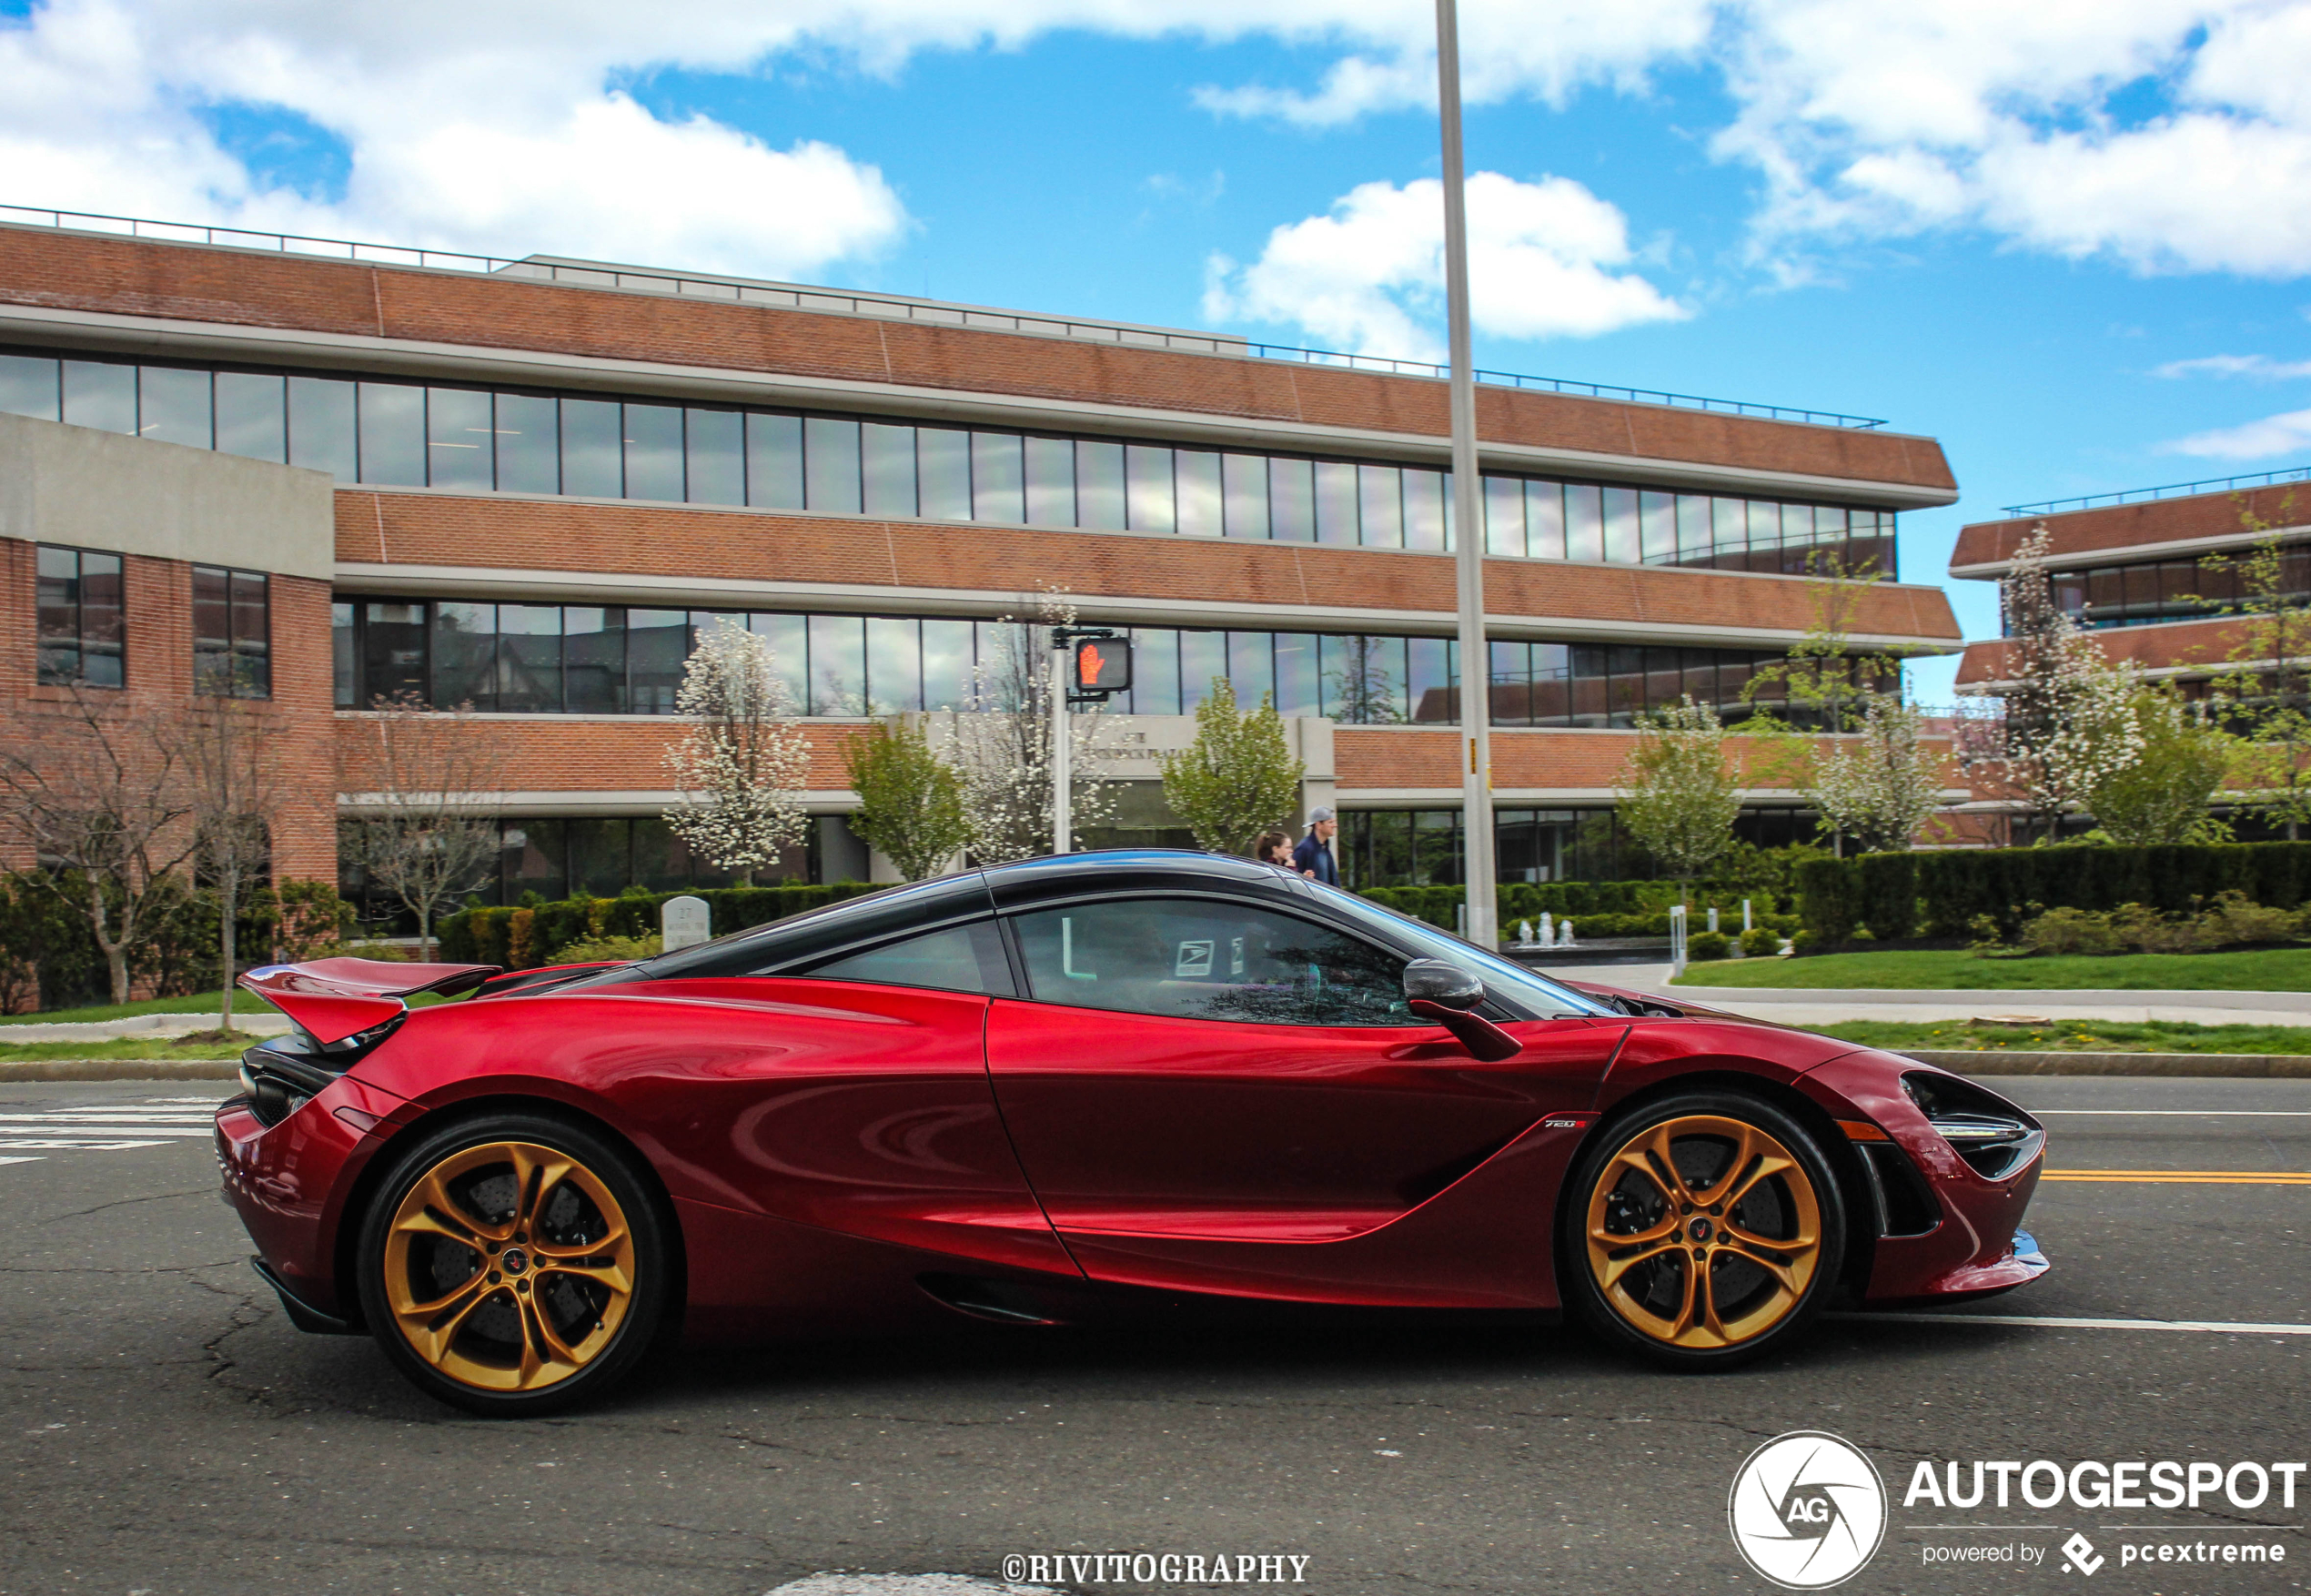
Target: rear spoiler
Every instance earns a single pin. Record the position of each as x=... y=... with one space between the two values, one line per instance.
x=331 y=999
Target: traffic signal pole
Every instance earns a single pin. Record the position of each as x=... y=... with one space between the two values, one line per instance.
x=1467 y=508
x=1062 y=750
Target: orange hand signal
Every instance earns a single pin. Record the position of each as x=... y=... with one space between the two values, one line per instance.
x=1089 y=663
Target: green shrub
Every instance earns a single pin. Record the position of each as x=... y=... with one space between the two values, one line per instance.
x=598 y=950
x=500 y=936
x=1709 y=944
x=1759 y=943
x=1884 y=893
x=1805 y=941
x=383 y=952
x=2070 y=931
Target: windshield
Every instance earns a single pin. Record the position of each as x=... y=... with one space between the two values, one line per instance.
x=1502 y=976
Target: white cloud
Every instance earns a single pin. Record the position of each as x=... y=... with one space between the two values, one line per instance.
x=463 y=134
x=1367 y=276
x=2260 y=366
x=2274 y=435
x=498 y=127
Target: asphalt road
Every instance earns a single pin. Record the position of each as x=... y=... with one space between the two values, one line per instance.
x=166 y=1430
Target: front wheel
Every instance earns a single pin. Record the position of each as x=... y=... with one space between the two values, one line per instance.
x=513 y=1264
x=1703 y=1231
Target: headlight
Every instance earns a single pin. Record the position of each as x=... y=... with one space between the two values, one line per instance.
x=1992 y=1135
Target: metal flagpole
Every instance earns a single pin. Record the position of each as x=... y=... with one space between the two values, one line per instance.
x=1467 y=508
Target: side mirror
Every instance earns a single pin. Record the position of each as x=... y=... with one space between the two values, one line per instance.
x=1440 y=982
x=1444 y=992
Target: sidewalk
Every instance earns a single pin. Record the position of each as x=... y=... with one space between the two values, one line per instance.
x=1798 y=1006
x=155 y=1026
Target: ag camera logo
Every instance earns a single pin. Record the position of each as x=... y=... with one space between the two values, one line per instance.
x=1807 y=1511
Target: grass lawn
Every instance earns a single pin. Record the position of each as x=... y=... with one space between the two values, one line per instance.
x=2268 y=969
x=123 y=1047
x=2071 y=1037
x=244 y=1003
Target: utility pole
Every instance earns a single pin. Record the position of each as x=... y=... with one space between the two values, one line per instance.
x=1467 y=508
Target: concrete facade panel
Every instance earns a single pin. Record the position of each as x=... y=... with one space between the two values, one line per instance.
x=95 y=489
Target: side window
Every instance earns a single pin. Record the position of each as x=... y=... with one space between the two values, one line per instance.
x=1196 y=959
x=962 y=958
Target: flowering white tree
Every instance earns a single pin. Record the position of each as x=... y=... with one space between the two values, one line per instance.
x=742 y=761
x=1004 y=747
x=1879 y=786
x=2069 y=724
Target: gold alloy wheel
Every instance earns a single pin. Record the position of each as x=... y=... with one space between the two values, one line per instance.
x=1703 y=1232
x=509 y=1267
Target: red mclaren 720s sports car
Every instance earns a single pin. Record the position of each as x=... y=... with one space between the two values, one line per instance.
x=1034 y=1092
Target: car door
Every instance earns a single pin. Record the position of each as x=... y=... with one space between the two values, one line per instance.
x=1202 y=1069
x=849 y=1092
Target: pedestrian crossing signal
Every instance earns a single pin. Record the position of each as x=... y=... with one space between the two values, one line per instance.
x=1103 y=665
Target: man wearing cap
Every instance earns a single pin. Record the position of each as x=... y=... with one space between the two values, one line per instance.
x=1314 y=855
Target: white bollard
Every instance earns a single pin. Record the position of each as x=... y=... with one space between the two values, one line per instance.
x=1713 y=918
x=1677 y=939
x=1747 y=923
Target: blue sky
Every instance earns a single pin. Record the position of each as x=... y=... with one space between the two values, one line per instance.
x=2014 y=233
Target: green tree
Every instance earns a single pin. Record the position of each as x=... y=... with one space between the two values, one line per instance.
x=2163 y=796
x=1675 y=796
x=1238 y=777
x=911 y=801
x=2264 y=699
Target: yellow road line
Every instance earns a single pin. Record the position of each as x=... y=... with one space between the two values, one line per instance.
x=2187 y=1177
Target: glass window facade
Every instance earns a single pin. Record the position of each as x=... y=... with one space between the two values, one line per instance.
x=406 y=435
x=597 y=855
x=232 y=633
x=81 y=623
x=572 y=659
x=1421 y=847
x=2154 y=590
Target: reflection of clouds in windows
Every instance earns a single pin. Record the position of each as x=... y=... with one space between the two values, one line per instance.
x=404 y=435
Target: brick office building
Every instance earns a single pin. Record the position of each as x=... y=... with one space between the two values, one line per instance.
x=549 y=473
x=2134 y=568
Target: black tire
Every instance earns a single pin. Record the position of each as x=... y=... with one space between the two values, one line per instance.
x=469 y=1218
x=1653 y=1266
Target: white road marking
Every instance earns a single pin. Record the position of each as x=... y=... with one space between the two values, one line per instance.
x=81 y=1145
x=161 y=1122
x=20 y=1160
x=2200 y=1327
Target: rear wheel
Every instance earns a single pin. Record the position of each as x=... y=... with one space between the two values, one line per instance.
x=513 y=1264
x=1703 y=1231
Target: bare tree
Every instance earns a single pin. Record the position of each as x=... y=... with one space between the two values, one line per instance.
x=99 y=797
x=432 y=783
x=236 y=786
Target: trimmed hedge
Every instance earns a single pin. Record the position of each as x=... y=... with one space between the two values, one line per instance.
x=1597 y=908
x=1888 y=892
x=524 y=938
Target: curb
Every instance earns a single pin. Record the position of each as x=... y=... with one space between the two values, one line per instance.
x=2239 y=1066
x=119 y=1069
